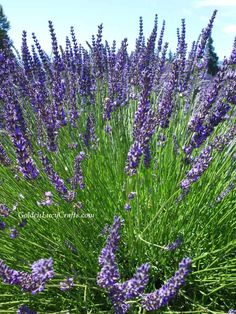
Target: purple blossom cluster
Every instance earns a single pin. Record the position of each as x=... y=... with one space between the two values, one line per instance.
x=54 y=177
x=161 y=297
x=47 y=201
x=67 y=284
x=121 y=292
x=144 y=126
x=109 y=275
x=4 y=210
x=34 y=282
x=24 y=309
x=89 y=135
x=4 y=159
x=215 y=102
x=199 y=166
x=165 y=107
x=15 y=126
x=78 y=178
x=221 y=141
x=174 y=245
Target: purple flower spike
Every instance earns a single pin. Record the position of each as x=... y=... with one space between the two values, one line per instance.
x=109 y=273
x=2 y=225
x=43 y=269
x=78 y=178
x=34 y=282
x=161 y=297
x=4 y=159
x=166 y=105
x=23 y=309
x=4 y=211
x=174 y=245
x=145 y=123
x=67 y=284
x=200 y=165
x=127 y=206
x=204 y=36
x=14 y=233
x=135 y=286
x=232 y=311
x=132 y=195
x=54 y=178
x=89 y=135
x=22 y=223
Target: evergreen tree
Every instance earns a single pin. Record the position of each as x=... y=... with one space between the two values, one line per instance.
x=4 y=28
x=170 y=56
x=213 y=58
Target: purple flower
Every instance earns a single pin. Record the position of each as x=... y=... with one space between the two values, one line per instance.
x=23 y=309
x=225 y=192
x=232 y=311
x=147 y=156
x=13 y=233
x=223 y=140
x=71 y=247
x=54 y=177
x=173 y=246
x=160 y=40
x=133 y=158
x=48 y=199
x=127 y=206
x=56 y=55
x=42 y=270
x=78 y=178
x=86 y=82
x=89 y=135
x=135 y=286
x=161 y=297
x=2 y=225
x=130 y=289
x=109 y=273
x=4 y=159
x=4 y=211
x=67 y=284
x=204 y=36
x=118 y=85
x=200 y=165
x=15 y=126
x=26 y=57
x=108 y=129
x=166 y=104
x=145 y=123
x=22 y=223
x=98 y=62
x=132 y=195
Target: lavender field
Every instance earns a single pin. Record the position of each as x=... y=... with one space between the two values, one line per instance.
x=117 y=176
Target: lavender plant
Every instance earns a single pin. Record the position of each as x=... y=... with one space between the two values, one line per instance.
x=159 y=141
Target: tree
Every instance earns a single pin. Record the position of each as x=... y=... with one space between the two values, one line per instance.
x=212 y=58
x=170 y=56
x=4 y=28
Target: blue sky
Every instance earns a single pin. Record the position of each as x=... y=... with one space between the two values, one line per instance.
x=120 y=19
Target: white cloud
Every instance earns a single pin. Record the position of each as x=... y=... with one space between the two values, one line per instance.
x=229 y=29
x=216 y=3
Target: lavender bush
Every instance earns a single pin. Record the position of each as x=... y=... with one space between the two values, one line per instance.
x=107 y=132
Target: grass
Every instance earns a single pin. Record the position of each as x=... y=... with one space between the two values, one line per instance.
x=156 y=218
